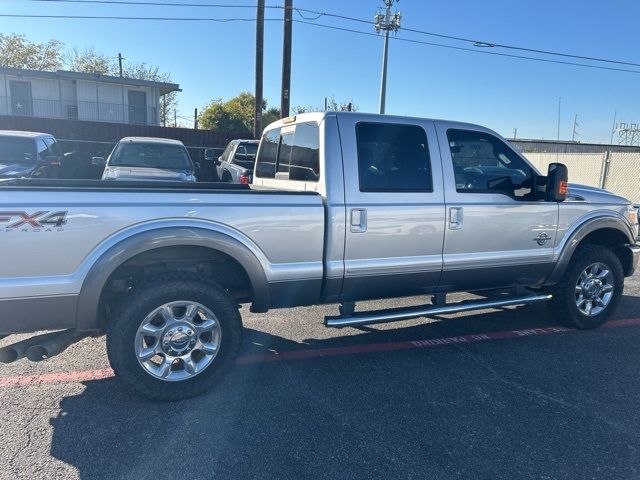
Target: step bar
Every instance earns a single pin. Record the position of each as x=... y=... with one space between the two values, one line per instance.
x=398 y=314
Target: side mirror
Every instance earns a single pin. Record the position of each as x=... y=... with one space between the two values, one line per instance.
x=98 y=162
x=557 y=182
x=197 y=167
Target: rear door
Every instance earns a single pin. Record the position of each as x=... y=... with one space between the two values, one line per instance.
x=394 y=205
x=498 y=233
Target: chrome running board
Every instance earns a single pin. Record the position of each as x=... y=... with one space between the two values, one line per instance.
x=406 y=313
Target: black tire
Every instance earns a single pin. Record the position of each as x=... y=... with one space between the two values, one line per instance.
x=226 y=177
x=122 y=329
x=563 y=305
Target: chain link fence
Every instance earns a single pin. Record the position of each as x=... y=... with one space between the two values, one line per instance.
x=618 y=172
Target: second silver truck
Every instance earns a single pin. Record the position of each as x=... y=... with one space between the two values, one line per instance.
x=344 y=207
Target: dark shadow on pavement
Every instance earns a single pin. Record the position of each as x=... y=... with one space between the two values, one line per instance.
x=563 y=406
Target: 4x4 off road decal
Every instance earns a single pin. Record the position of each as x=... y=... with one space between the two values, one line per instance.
x=43 y=220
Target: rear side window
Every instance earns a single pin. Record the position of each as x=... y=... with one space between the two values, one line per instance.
x=393 y=158
x=268 y=154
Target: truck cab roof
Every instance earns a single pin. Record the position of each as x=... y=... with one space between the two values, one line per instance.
x=23 y=134
x=162 y=141
x=319 y=116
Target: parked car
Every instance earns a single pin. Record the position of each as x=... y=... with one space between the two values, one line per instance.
x=146 y=158
x=344 y=207
x=236 y=163
x=28 y=154
x=209 y=167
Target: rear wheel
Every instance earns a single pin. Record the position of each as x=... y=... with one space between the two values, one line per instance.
x=174 y=337
x=226 y=177
x=590 y=288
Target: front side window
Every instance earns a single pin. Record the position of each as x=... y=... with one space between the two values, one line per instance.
x=393 y=158
x=43 y=152
x=227 y=152
x=151 y=155
x=483 y=163
x=268 y=154
x=53 y=147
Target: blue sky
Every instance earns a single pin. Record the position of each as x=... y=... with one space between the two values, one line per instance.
x=216 y=60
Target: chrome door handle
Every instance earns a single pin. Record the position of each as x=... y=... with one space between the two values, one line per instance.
x=455 y=218
x=358 y=220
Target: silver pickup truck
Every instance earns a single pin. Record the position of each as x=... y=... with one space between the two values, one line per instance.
x=344 y=207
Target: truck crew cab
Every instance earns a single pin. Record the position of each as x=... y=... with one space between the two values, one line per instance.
x=344 y=207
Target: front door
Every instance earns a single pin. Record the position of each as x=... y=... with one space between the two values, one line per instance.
x=394 y=205
x=21 y=99
x=137 y=107
x=499 y=232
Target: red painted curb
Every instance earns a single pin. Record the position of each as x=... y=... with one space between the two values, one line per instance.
x=87 y=375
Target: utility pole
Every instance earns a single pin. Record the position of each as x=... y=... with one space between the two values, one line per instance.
x=387 y=23
x=120 y=63
x=575 y=128
x=515 y=132
x=286 y=59
x=175 y=118
x=558 y=139
x=257 y=117
x=195 y=119
x=613 y=129
x=165 y=113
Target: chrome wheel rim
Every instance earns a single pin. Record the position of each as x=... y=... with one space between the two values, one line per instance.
x=594 y=289
x=178 y=340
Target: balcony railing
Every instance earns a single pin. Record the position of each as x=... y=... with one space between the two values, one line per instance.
x=89 y=111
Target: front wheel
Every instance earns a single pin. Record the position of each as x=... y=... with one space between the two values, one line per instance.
x=590 y=288
x=174 y=338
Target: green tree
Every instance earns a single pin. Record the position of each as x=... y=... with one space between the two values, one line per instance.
x=235 y=115
x=89 y=61
x=18 y=52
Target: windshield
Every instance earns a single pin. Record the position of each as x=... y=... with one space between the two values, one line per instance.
x=17 y=150
x=245 y=155
x=151 y=155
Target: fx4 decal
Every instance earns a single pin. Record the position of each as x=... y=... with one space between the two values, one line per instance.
x=36 y=220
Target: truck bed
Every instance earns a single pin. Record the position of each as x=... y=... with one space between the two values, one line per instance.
x=55 y=231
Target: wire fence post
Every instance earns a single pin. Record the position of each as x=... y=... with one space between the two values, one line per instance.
x=605 y=169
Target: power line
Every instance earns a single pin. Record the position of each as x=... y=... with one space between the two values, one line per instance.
x=319 y=14
x=453 y=47
x=154 y=4
x=332 y=27
x=120 y=17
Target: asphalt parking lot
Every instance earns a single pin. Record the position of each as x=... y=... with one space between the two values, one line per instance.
x=504 y=394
